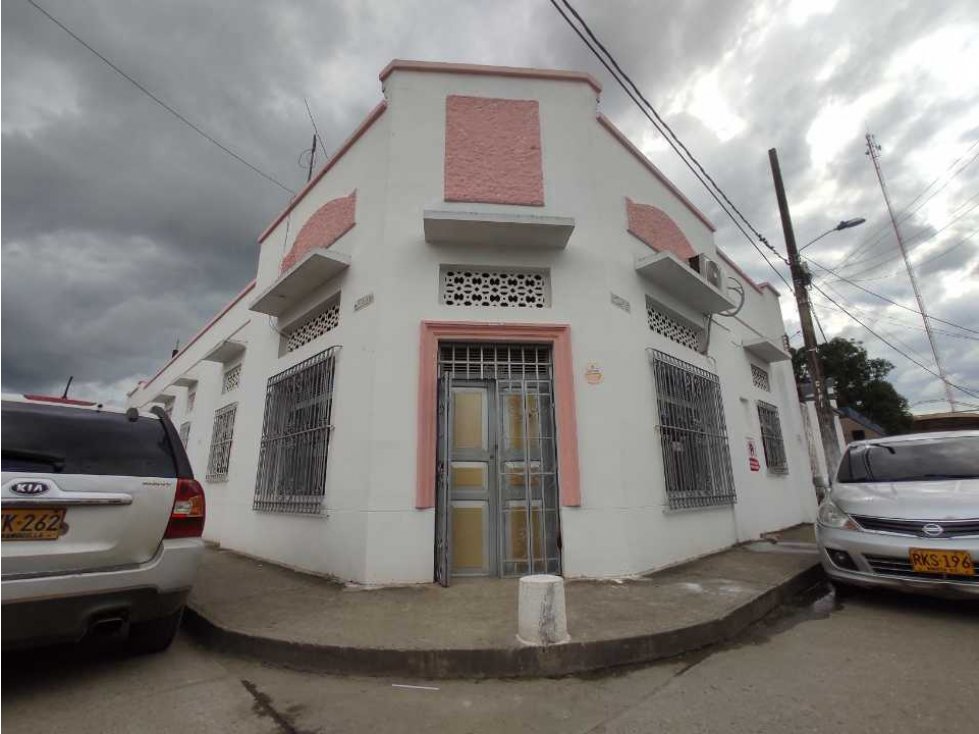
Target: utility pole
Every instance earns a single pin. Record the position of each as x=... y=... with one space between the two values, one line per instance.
x=873 y=150
x=800 y=283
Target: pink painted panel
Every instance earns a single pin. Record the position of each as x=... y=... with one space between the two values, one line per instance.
x=654 y=227
x=564 y=404
x=328 y=224
x=493 y=151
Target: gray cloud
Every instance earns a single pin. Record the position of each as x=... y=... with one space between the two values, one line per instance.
x=125 y=231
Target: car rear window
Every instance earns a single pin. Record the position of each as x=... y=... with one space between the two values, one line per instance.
x=55 y=438
x=911 y=461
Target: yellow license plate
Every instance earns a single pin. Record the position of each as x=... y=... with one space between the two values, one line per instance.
x=954 y=562
x=33 y=523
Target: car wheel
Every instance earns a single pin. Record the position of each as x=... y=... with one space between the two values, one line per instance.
x=154 y=635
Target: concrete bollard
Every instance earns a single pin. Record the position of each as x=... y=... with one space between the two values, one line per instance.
x=541 y=615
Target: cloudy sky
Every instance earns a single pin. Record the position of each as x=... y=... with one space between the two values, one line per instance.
x=124 y=231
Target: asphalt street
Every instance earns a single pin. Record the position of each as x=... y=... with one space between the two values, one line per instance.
x=869 y=662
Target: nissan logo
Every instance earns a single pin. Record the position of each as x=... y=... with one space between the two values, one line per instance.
x=933 y=529
x=30 y=487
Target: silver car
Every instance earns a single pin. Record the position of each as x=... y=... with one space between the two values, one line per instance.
x=903 y=513
x=102 y=523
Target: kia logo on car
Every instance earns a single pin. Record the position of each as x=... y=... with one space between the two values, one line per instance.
x=933 y=529
x=30 y=488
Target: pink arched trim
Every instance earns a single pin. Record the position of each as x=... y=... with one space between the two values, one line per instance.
x=558 y=335
x=328 y=224
x=654 y=227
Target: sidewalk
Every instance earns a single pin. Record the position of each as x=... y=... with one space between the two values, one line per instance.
x=280 y=616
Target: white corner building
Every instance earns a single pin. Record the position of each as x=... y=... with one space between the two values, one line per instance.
x=490 y=338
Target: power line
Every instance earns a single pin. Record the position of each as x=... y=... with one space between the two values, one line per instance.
x=632 y=91
x=902 y=353
x=948 y=251
x=159 y=101
x=885 y=298
x=870 y=263
x=897 y=322
x=662 y=122
x=906 y=212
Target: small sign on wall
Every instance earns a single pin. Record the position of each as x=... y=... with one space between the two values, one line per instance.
x=593 y=373
x=364 y=302
x=753 y=462
x=620 y=302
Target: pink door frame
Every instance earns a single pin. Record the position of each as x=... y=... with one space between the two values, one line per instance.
x=558 y=336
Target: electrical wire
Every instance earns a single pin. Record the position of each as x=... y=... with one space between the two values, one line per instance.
x=873 y=262
x=632 y=91
x=967 y=391
x=907 y=211
x=920 y=263
x=159 y=101
x=669 y=131
x=885 y=298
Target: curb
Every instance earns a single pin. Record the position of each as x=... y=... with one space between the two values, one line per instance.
x=518 y=662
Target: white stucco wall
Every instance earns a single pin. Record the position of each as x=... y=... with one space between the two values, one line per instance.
x=371 y=531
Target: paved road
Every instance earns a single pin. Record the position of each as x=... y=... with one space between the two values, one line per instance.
x=871 y=663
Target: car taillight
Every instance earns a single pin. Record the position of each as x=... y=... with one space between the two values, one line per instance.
x=187 y=515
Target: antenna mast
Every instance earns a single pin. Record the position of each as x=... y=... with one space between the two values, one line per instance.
x=873 y=150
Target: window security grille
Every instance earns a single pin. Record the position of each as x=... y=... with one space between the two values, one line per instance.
x=771 y=437
x=184 y=433
x=495 y=361
x=488 y=287
x=759 y=378
x=191 y=398
x=232 y=377
x=693 y=435
x=296 y=437
x=313 y=328
x=672 y=329
x=221 y=436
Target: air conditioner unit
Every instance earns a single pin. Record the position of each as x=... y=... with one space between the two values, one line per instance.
x=709 y=270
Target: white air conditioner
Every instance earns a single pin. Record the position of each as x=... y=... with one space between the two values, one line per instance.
x=709 y=270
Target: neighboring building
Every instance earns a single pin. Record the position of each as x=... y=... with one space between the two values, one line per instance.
x=474 y=347
x=858 y=427
x=957 y=421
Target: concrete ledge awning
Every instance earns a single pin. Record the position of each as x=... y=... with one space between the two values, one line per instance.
x=185 y=381
x=767 y=350
x=497 y=228
x=163 y=397
x=315 y=269
x=225 y=351
x=678 y=279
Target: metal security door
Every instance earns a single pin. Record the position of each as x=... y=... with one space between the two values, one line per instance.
x=497 y=493
x=529 y=516
x=442 y=525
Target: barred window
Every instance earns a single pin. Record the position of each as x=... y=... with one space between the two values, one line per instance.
x=232 y=377
x=191 y=398
x=221 y=436
x=184 y=433
x=494 y=287
x=313 y=327
x=665 y=325
x=759 y=378
x=296 y=437
x=771 y=437
x=693 y=434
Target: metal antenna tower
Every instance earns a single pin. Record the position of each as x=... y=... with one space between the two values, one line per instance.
x=873 y=150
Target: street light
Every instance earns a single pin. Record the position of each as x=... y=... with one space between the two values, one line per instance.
x=845 y=224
